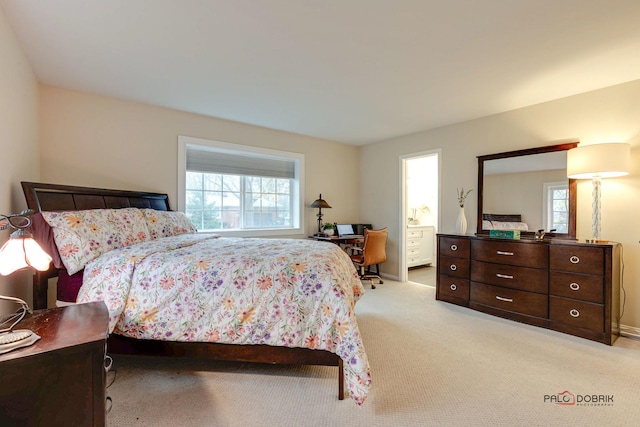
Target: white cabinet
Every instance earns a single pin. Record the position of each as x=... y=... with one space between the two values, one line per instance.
x=420 y=243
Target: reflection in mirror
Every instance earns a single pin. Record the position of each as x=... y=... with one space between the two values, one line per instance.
x=526 y=190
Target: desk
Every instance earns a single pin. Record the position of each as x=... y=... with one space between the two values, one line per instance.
x=340 y=240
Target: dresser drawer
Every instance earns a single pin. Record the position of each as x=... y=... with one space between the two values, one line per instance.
x=578 y=259
x=455 y=267
x=454 y=247
x=454 y=287
x=577 y=286
x=528 y=303
x=509 y=276
x=577 y=313
x=512 y=253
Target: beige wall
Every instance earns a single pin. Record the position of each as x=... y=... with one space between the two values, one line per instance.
x=96 y=141
x=606 y=115
x=18 y=144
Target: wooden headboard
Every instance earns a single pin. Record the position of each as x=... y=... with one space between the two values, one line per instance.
x=53 y=197
x=502 y=217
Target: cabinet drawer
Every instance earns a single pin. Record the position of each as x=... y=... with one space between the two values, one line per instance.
x=578 y=259
x=512 y=253
x=577 y=313
x=414 y=234
x=510 y=276
x=577 y=286
x=522 y=302
x=454 y=247
x=413 y=252
x=413 y=243
x=454 y=287
x=455 y=267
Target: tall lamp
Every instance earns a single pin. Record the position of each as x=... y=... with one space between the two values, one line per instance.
x=598 y=161
x=319 y=203
x=20 y=252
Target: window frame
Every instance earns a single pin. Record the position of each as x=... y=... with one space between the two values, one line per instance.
x=297 y=190
x=547 y=205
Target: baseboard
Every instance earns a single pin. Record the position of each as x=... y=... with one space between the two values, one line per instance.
x=389 y=276
x=630 y=332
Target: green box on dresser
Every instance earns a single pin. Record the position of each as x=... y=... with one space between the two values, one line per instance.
x=563 y=285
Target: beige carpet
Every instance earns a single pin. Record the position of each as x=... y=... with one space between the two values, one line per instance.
x=433 y=364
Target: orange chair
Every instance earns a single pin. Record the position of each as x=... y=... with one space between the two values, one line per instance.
x=372 y=252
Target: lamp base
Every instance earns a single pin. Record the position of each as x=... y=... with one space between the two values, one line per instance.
x=18 y=338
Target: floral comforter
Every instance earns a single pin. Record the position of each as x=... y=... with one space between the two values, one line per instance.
x=280 y=292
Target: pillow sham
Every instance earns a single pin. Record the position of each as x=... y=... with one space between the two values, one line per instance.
x=167 y=223
x=68 y=285
x=82 y=236
x=43 y=234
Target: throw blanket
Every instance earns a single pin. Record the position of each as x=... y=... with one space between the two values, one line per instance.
x=280 y=292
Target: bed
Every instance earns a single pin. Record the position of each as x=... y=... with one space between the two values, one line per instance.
x=503 y=222
x=173 y=292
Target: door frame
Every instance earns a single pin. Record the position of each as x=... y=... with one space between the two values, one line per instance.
x=403 y=273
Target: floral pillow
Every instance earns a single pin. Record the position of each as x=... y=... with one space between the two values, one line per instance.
x=82 y=236
x=167 y=223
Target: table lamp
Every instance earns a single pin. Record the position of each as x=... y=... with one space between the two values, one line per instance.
x=19 y=252
x=319 y=203
x=598 y=161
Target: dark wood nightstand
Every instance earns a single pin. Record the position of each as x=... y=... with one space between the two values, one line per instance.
x=59 y=380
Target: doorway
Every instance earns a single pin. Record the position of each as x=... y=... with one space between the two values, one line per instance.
x=420 y=218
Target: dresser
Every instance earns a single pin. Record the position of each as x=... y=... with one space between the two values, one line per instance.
x=563 y=285
x=59 y=380
x=420 y=244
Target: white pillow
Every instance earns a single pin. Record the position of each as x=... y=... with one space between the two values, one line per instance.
x=82 y=236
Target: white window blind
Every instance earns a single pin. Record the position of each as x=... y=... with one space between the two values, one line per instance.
x=209 y=161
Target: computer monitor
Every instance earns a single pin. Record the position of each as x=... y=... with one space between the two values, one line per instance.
x=344 y=230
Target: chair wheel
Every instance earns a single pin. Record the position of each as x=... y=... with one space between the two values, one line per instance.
x=381 y=282
x=373 y=286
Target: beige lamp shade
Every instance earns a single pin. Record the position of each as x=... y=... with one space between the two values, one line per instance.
x=603 y=160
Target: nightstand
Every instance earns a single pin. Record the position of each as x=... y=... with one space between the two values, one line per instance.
x=59 y=380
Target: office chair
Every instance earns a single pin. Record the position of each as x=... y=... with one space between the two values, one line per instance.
x=372 y=252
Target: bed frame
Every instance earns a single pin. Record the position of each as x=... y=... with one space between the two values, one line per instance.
x=52 y=197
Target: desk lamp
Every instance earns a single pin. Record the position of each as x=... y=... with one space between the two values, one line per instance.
x=19 y=252
x=319 y=203
x=598 y=161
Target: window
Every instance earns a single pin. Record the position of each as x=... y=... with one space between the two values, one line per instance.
x=557 y=206
x=240 y=189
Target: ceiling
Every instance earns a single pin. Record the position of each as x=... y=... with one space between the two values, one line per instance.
x=352 y=71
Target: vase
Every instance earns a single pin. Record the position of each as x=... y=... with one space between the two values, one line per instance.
x=461 y=222
x=329 y=231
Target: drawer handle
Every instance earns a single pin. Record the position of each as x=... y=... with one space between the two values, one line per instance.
x=504 y=253
x=453 y=287
x=574 y=313
x=453 y=267
x=574 y=286
x=454 y=247
x=504 y=276
x=574 y=259
x=499 y=298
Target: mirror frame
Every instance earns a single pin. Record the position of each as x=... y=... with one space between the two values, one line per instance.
x=526 y=152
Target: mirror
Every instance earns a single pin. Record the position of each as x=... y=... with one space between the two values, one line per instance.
x=527 y=190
